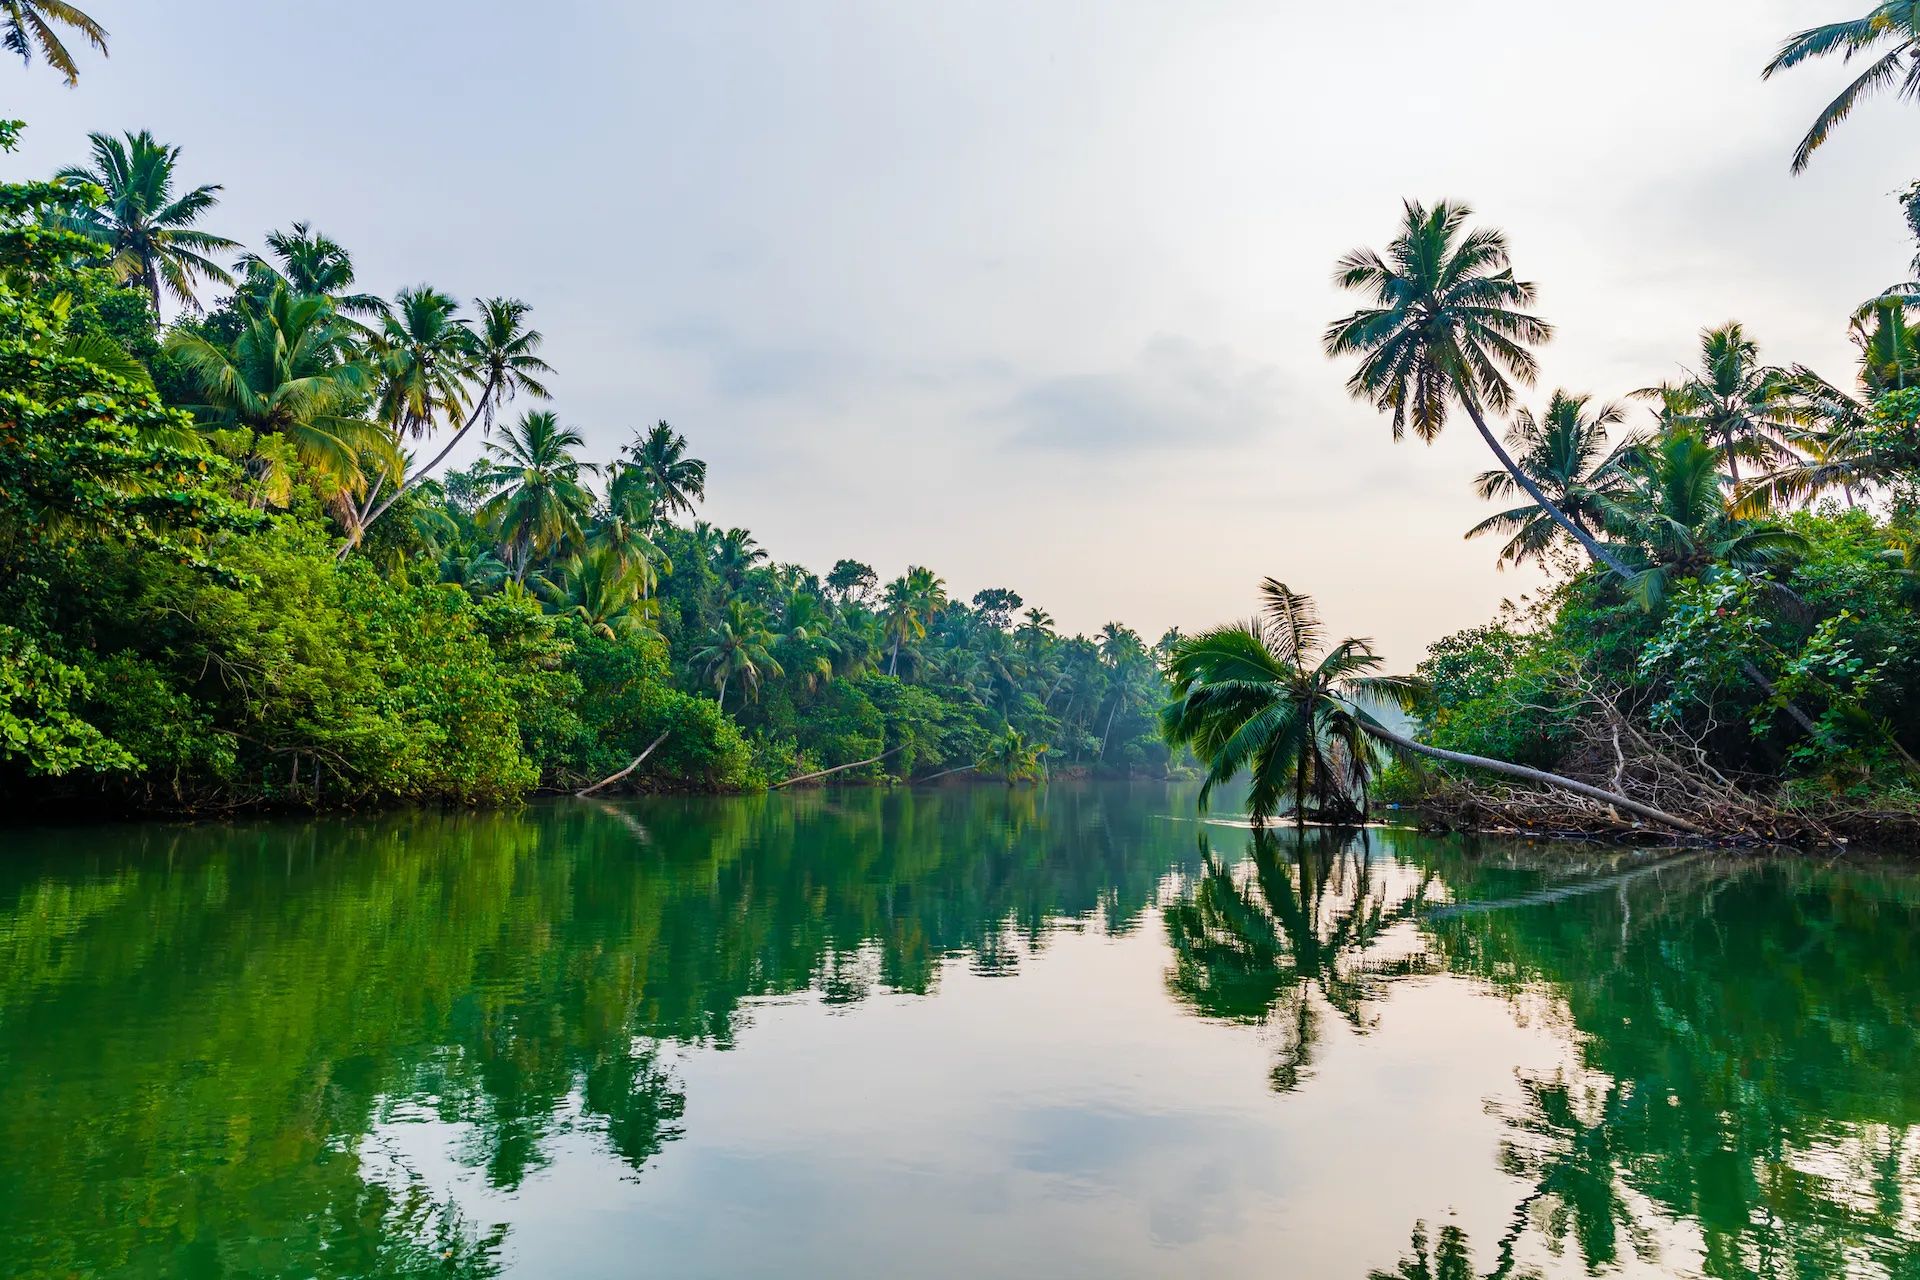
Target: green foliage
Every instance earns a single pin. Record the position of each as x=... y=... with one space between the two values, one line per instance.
x=39 y=725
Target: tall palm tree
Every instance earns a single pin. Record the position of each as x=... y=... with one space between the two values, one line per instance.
x=1892 y=26
x=626 y=527
x=28 y=24
x=505 y=359
x=1268 y=696
x=739 y=645
x=1446 y=328
x=292 y=371
x=735 y=553
x=1741 y=406
x=1565 y=452
x=537 y=504
x=308 y=261
x=147 y=230
x=1670 y=505
x=425 y=350
x=900 y=611
x=662 y=455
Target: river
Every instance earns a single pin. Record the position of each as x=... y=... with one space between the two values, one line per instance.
x=1066 y=1031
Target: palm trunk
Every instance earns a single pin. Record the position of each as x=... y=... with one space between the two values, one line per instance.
x=1300 y=791
x=894 y=661
x=1540 y=777
x=612 y=778
x=723 y=690
x=486 y=394
x=1554 y=513
x=1108 y=731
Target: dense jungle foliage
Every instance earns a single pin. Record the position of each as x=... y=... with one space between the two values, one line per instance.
x=226 y=583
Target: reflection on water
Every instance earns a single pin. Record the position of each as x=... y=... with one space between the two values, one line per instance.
x=980 y=1031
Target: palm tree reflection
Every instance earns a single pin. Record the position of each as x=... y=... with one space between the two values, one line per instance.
x=1301 y=925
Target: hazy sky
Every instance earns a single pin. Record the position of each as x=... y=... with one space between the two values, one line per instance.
x=1031 y=292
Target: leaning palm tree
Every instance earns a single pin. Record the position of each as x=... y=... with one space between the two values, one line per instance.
x=1270 y=698
x=28 y=24
x=1446 y=329
x=537 y=504
x=1565 y=451
x=144 y=228
x=292 y=371
x=661 y=455
x=1889 y=30
x=505 y=358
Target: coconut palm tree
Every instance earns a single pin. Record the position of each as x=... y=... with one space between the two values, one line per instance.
x=738 y=646
x=1565 y=452
x=905 y=623
x=1743 y=408
x=1446 y=328
x=603 y=592
x=1890 y=31
x=1012 y=757
x=537 y=504
x=308 y=261
x=145 y=229
x=28 y=24
x=626 y=527
x=292 y=371
x=735 y=553
x=425 y=351
x=505 y=359
x=1670 y=506
x=1271 y=698
x=661 y=455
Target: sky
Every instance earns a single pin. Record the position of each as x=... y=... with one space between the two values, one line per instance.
x=1031 y=293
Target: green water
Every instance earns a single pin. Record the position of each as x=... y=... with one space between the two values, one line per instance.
x=1069 y=1032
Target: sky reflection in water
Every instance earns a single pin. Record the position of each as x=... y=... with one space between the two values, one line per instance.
x=971 y=1032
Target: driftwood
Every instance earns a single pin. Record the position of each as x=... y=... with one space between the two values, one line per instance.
x=1539 y=777
x=821 y=773
x=612 y=778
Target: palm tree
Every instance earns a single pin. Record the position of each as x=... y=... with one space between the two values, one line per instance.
x=146 y=229
x=603 y=592
x=1445 y=329
x=735 y=554
x=537 y=504
x=1565 y=452
x=505 y=357
x=1893 y=26
x=292 y=371
x=626 y=527
x=1268 y=697
x=1671 y=507
x=1012 y=757
x=308 y=262
x=738 y=645
x=27 y=24
x=661 y=454
x=1745 y=408
x=425 y=349
x=900 y=611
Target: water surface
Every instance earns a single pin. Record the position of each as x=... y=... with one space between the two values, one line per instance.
x=1060 y=1032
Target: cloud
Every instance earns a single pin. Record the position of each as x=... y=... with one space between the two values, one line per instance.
x=1175 y=394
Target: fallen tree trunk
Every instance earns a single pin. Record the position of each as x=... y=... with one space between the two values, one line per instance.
x=1539 y=777
x=959 y=768
x=821 y=773
x=612 y=778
